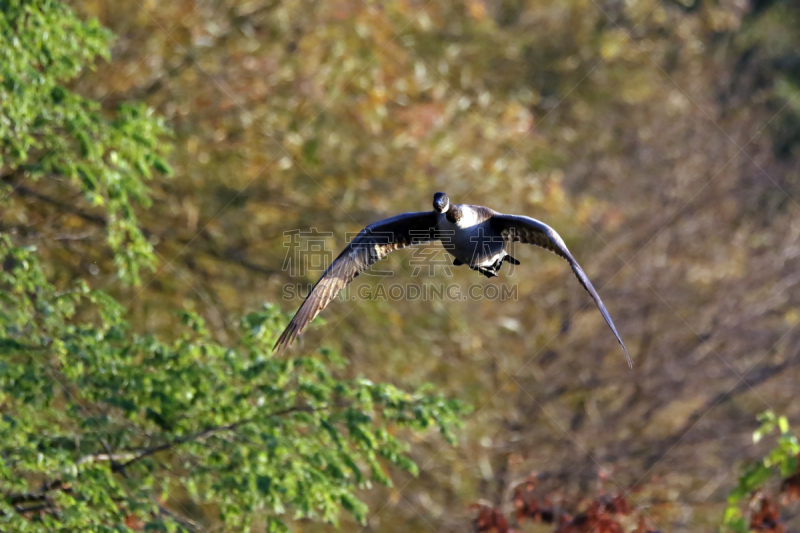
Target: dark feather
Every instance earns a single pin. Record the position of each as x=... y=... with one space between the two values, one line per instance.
x=528 y=230
x=371 y=245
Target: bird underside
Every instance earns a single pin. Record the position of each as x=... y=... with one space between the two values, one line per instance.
x=492 y=270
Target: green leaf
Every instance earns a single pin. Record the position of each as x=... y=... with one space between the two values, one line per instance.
x=783 y=424
x=264 y=483
x=183 y=412
x=355 y=506
x=756 y=477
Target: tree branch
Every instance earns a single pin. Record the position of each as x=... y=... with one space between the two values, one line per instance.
x=182 y=520
x=141 y=454
x=130 y=458
x=24 y=191
x=34 y=508
x=104 y=457
x=42 y=495
x=189 y=59
x=99 y=220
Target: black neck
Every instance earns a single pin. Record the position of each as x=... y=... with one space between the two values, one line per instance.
x=453 y=213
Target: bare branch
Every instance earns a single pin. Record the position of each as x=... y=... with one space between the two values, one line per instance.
x=228 y=256
x=104 y=457
x=191 y=525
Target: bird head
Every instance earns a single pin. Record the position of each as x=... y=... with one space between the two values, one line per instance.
x=440 y=202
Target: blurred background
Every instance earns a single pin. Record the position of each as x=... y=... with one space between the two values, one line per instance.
x=660 y=138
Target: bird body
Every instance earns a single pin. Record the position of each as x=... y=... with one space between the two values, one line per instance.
x=470 y=238
x=475 y=236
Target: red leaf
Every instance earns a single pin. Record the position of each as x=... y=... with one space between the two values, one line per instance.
x=767 y=518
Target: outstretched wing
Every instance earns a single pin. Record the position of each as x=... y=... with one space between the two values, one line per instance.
x=527 y=230
x=374 y=242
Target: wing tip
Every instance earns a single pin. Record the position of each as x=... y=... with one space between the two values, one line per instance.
x=627 y=356
x=279 y=346
x=624 y=349
x=285 y=340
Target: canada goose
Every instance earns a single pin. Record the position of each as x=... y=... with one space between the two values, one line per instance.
x=474 y=235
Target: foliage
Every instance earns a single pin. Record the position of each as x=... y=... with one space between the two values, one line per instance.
x=49 y=132
x=603 y=514
x=614 y=513
x=99 y=426
x=659 y=137
x=782 y=462
x=104 y=429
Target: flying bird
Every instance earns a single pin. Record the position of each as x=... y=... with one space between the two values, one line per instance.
x=474 y=235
